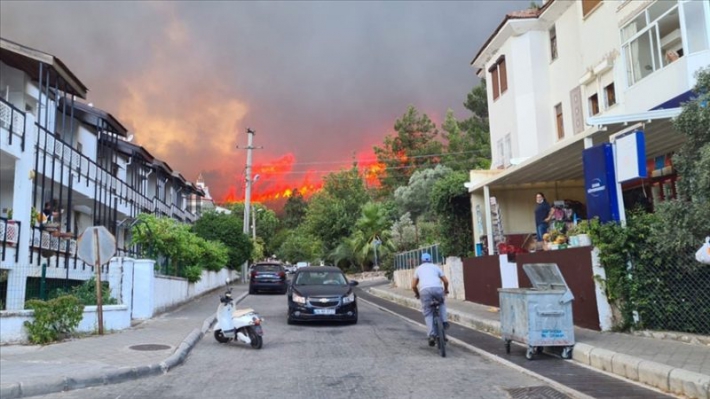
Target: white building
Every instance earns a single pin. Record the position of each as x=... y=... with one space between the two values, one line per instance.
x=565 y=77
x=78 y=160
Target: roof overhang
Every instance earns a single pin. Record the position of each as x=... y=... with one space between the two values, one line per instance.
x=28 y=60
x=562 y=162
x=92 y=116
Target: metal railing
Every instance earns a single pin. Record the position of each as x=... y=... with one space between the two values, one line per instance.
x=10 y=236
x=13 y=120
x=412 y=259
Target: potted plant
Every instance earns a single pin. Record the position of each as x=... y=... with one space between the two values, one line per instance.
x=582 y=233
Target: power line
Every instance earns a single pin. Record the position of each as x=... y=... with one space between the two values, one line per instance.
x=375 y=159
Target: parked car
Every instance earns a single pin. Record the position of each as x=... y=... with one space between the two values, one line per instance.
x=321 y=293
x=290 y=269
x=267 y=277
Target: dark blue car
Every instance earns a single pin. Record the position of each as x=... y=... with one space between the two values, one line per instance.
x=321 y=293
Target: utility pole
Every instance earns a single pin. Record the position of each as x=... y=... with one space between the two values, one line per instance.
x=247 y=195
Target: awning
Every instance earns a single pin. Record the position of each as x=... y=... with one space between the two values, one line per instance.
x=563 y=161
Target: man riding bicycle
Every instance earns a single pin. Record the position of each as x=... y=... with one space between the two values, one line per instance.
x=426 y=285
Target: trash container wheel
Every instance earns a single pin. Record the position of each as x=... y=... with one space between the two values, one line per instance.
x=539 y=349
x=567 y=352
x=530 y=352
x=507 y=346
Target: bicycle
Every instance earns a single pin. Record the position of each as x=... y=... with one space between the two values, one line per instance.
x=439 y=330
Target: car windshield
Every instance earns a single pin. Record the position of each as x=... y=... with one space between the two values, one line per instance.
x=320 y=278
x=268 y=268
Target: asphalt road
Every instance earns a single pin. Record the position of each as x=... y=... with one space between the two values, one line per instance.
x=382 y=356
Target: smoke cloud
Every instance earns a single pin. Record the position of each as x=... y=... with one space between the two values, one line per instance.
x=319 y=82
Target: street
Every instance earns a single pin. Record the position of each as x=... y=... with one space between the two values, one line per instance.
x=383 y=356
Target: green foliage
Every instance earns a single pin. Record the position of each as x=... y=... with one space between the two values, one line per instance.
x=414 y=197
x=192 y=273
x=215 y=255
x=408 y=150
x=452 y=206
x=476 y=128
x=466 y=149
x=54 y=318
x=294 y=210
x=300 y=246
x=403 y=233
x=332 y=212
x=86 y=293
x=226 y=229
x=359 y=248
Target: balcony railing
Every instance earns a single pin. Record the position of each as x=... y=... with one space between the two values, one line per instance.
x=88 y=171
x=161 y=207
x=13 y=120
x=9 y=236
x=178 y=213
x=47 y=244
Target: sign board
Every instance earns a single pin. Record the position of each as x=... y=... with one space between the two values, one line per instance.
x=600 y=183
x=96 y=244
x=630 y=157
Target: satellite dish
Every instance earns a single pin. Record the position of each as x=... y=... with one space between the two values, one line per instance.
x=129 y=138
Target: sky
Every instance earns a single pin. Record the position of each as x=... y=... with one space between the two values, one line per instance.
x=320 y=82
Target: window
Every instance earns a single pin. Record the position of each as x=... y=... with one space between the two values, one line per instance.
x=501 y=153
x=499 y=77
x=610 y=95
x=553 y=44
x=652 y=40
x=560 y=123
x=594 y=105
x=507 y=150
x=589 y=6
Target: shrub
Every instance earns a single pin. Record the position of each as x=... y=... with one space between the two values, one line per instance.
x=53 y=319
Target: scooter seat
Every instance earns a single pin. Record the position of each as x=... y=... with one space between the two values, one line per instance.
x=241 y=312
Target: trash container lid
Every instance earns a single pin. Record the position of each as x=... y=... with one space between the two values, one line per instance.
x=545 y=276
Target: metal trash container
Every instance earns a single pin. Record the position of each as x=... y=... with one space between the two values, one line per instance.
x=539 y=316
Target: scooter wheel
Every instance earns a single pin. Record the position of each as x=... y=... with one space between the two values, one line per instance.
x=220 y=337
x=256 y=341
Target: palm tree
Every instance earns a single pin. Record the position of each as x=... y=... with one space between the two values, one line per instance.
x=371 y=233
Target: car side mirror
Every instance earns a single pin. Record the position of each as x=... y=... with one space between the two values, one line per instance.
x=353 y=283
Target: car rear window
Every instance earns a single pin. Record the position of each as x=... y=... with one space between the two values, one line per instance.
x=268 y=268
x=321 y=278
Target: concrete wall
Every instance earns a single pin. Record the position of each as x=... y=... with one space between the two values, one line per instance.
x=133 y=283
x=453 y=270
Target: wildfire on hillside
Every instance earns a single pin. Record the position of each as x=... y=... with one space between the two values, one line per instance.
x=277 y=180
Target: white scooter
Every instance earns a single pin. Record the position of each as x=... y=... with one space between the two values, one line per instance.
x=243 y=325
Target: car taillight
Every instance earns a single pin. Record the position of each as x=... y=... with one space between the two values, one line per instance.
x=282 y=274
x=253 y=274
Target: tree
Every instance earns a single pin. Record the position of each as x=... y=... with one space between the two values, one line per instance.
x=475 y=130
x=300 y=246
x=226 y=229
x=332 y=212
x=452 y=206
x=413 y=147
x=404 y=235
x=294 y=210
x=414 y=197
x=465 y=149
x=371 y=232
x=686 y=218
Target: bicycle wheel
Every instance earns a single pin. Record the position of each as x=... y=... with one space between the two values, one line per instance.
x=441 y=336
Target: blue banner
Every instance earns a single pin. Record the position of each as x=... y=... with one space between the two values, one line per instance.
x=600 y=183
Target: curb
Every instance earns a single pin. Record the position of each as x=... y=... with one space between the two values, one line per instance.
x=49 y=385
x=656 y=375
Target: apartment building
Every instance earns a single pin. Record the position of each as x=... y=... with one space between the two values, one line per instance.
x=569 y=75
x=64 y=166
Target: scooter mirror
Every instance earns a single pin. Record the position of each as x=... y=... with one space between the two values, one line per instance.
x=227 y=281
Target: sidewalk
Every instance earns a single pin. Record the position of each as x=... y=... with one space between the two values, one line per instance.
x=98 y=360
x=676 y=367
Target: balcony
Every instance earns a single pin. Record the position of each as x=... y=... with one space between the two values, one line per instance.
x=9 y=236
x=12 y=120
x=161 y=207
x=178 y=213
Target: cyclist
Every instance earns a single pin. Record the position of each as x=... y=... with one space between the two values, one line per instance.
x=426 y=285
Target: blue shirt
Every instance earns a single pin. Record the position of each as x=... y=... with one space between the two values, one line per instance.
x=429 y=275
